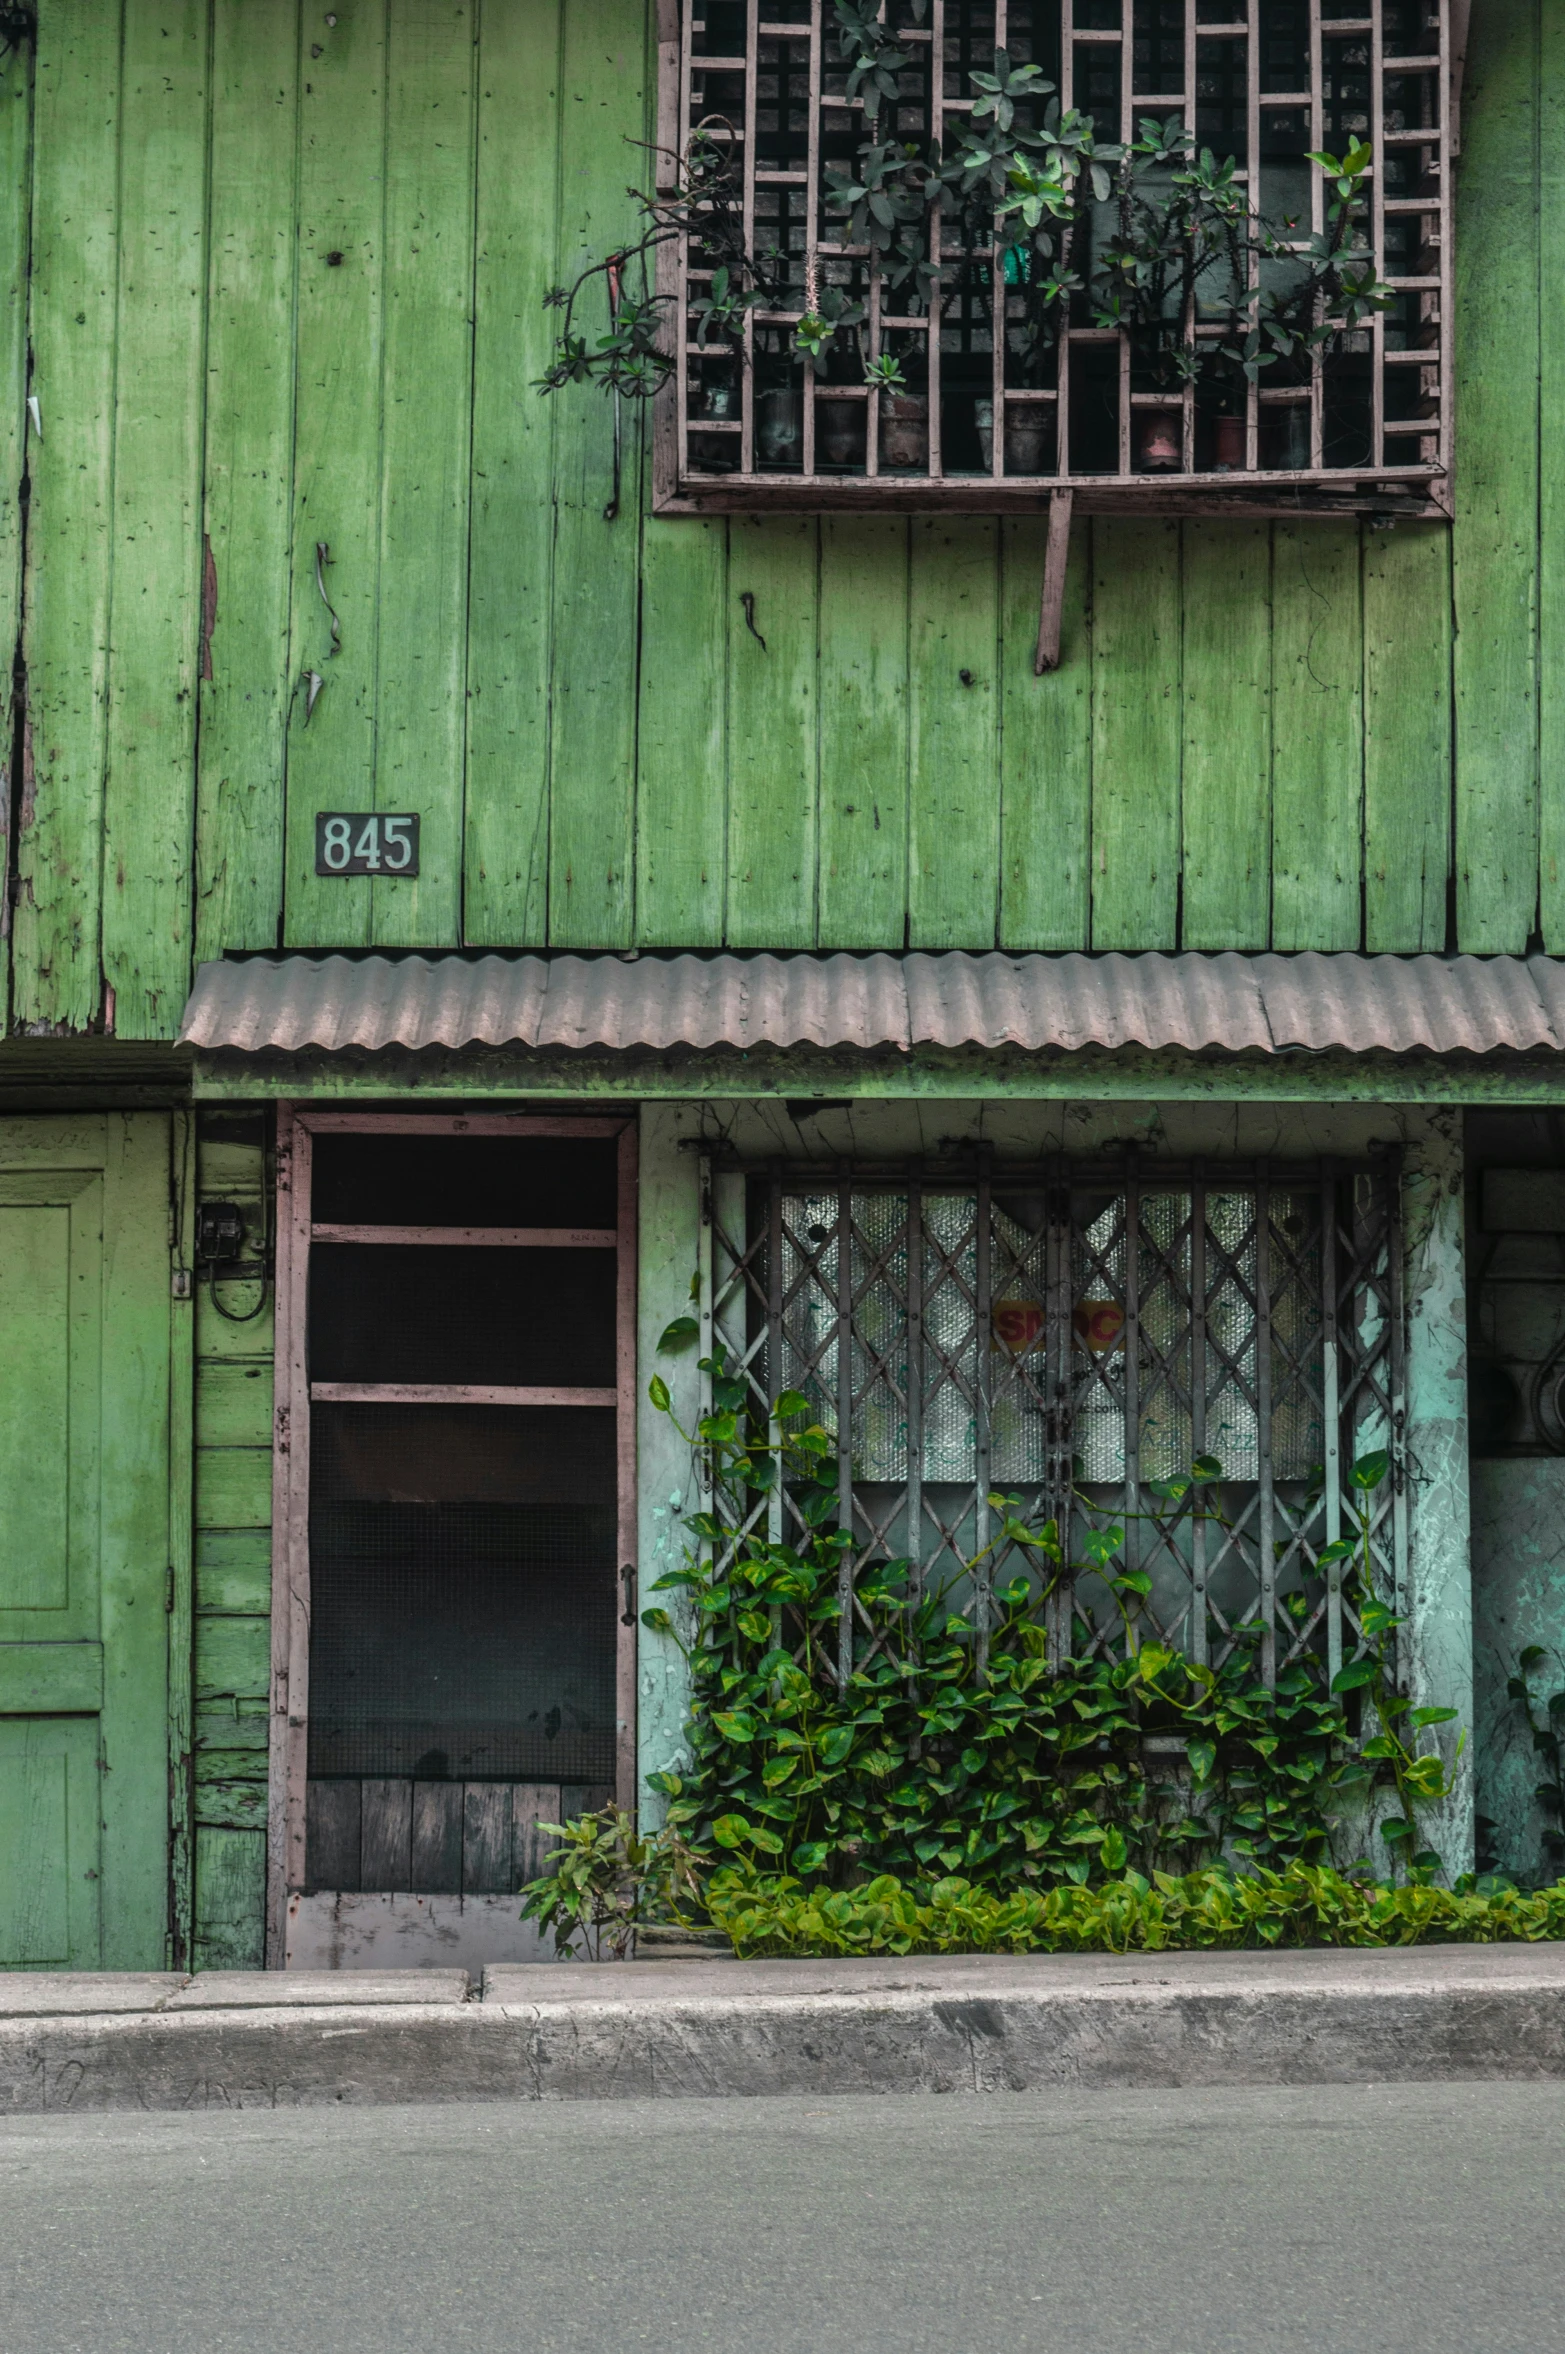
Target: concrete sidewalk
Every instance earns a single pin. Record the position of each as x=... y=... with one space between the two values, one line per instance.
x=695 y=2029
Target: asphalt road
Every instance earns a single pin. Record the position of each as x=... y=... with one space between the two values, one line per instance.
x=1344 y=2220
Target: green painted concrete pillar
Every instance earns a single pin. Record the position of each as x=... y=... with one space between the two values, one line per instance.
x=670 y=1254
x=1438 y=1640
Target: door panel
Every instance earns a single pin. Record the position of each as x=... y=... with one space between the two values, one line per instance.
x=51 y=1248
x=84 y=1541
x=35 y=1282
x=50 y=1850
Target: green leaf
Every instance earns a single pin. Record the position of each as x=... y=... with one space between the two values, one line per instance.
x=810 y=1855
x=731 y=1830
x=835 y=1744
x=681 y=1334
x=1432 y=1716
x=1114 y=1851
x=735 y=1724
x=1370 y=1470
x=790 y=1403
x=658 y=1622
x=1203 y=1757
x=1355 y=1673
x=657 y=1391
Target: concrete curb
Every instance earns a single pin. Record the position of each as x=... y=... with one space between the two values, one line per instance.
x=960 y=2025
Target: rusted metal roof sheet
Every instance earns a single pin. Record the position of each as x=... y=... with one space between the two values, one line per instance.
x=611 y=1004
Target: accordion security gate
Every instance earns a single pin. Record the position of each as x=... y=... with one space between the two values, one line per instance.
x=1071 y=1336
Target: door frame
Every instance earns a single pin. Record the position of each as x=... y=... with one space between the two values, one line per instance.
x=297 y=1127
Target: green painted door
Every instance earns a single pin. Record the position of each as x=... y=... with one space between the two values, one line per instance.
x=84 y=1541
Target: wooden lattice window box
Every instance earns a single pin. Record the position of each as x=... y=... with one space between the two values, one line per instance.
x=1056 y=400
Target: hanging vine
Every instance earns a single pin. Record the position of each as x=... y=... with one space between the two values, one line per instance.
x=1134 y=235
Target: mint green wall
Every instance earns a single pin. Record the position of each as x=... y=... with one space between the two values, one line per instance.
x=284 y=293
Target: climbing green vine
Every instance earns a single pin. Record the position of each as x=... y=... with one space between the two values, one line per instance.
x=958 y=1748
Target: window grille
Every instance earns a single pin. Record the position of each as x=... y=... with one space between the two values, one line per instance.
x=1000 y=405
x=1072 y=1334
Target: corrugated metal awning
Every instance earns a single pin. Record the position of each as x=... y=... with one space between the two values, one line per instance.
x=1040 y=1004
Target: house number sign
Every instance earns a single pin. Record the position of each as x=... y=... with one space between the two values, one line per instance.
x=346 y=844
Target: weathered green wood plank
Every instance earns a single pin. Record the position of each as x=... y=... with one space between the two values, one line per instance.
x=214 y=1767
x=1136 y=734
x=181 y=1596
x=863 y=730
x=1407 y=737
x=1494 y=541
x=233 y=1657
x=249 y=475
x=1317 y=736
x=953 y=733
x=681 y=754
x=226 y=1170
x=593 y=650
x=506 y=848
x=16 y=109
x=233 y=1405
x=1551 y=479
x=229 y=1730
x=233 y=1487
x=1045 y=749
x=155 y=617
x=234 y=1570
x=231 y=1805
x=75 y=296
x=337 y=437
x=1227 y=735
x=772 y=746
x=230 y=1899
x=421 y=724
x=218 y=1336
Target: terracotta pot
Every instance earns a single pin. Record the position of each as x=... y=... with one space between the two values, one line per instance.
x=1228 y=445
x=1160 y=442
x=904 y=432
x=1027 y=431
x=839 y=431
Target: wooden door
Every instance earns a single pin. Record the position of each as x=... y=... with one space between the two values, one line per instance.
x=85 y=1566
x=454 y=1578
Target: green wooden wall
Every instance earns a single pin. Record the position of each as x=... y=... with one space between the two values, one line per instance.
x=233 y=1575
x=279 y=278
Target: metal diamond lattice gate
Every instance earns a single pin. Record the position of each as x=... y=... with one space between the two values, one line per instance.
x=1072 y=1334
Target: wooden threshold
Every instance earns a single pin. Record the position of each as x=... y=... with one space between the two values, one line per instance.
x=498 y=1238
x=453 y=1393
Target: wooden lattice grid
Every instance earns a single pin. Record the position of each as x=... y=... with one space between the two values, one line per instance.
x=1363 y=426
x=1073 y=1335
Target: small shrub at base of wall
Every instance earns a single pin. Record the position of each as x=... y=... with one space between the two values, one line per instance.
x=1303 y=1905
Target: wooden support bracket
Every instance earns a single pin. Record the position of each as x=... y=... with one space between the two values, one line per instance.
x=1048 y=654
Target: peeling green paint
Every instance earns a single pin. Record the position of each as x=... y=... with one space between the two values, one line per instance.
x=1438 y=1639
